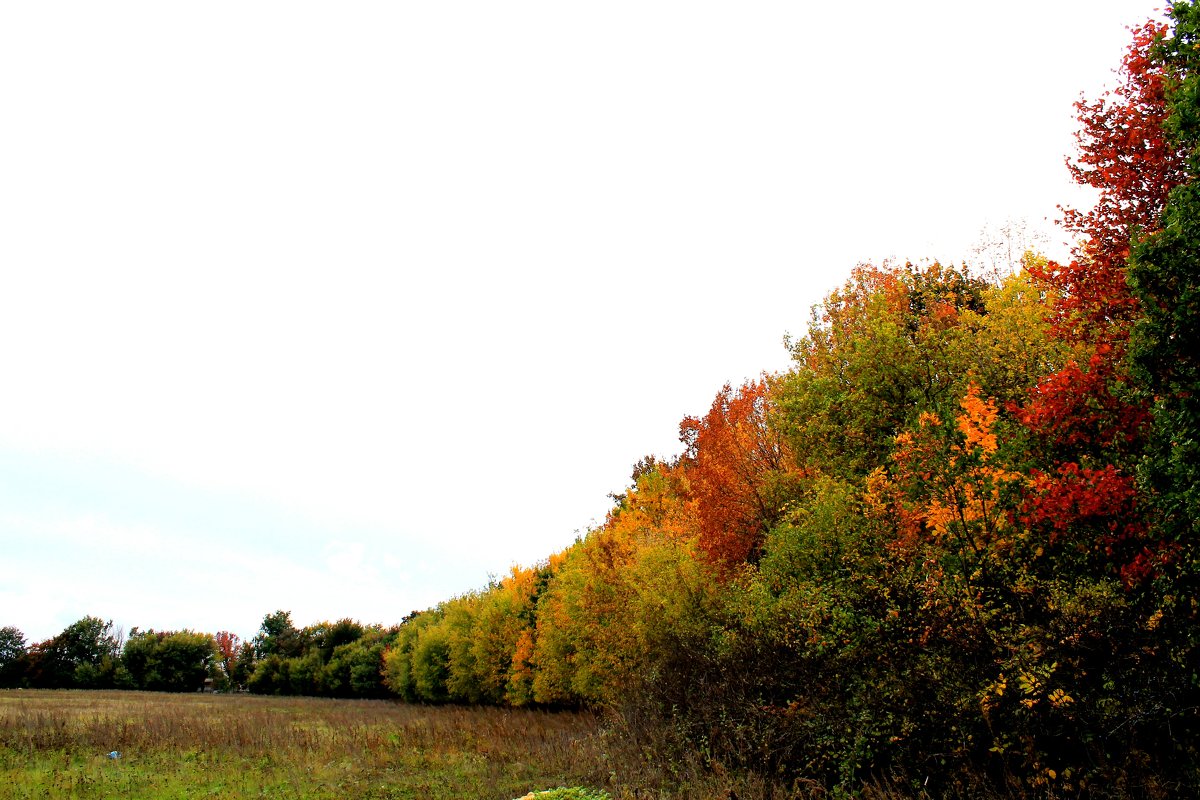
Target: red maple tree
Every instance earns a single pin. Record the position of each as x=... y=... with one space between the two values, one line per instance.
x=1086 y=414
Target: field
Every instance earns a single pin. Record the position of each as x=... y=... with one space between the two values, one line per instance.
x=58 y=745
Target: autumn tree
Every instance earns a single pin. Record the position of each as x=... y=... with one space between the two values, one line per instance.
x=1125 y=153
x=739 y=468
x=920 y=555
x=1089 y=417
x=880 y=348
x=228 y=650
x=1166 y=354
x=397 y=660
x=1163 y=274
x=502 y=645
x=619 y=604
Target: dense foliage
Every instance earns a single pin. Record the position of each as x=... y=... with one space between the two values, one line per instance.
x=336 y=659
x=955 y=544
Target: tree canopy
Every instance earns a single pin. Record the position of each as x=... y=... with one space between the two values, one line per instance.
x=954 y=545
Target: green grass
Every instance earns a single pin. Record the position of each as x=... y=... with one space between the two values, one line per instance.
x=56 y=745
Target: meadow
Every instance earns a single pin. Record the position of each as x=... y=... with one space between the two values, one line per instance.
x=62 y=744
x=102 y=744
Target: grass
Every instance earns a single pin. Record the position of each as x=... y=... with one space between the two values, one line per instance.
x=57 y=745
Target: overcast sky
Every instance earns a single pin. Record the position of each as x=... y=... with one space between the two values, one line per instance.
x=341 y=307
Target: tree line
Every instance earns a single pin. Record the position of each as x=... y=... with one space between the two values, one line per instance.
x=334 y=659
x=954 y=545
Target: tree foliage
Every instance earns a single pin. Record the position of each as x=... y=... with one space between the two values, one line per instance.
x=953 y=546
x=168 y=661
x=954 y=543
x=737 y=471
x=12 y=656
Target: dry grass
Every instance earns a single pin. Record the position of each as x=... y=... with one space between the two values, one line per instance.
x=55 y=744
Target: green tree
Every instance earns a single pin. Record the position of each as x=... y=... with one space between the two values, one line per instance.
x=243 y=665
x=279 y=636
x=12 y=657
x=304 y=675
x=83 y=656
x=1163 y=274
x=328 y=636
x=178 y=661
x=272 y=675
x=878 y=351
x=398 y=660
x=356 y=668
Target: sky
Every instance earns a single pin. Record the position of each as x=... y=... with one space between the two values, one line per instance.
x=343 y=309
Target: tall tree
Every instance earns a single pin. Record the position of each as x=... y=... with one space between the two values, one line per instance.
x=1089 y=417
x=1164 y=276
x=279 y=636
x=1124 y=152
x=737 y=464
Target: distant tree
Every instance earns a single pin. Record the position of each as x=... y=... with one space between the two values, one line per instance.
x=355 y=669
x=1001 y=248
x=397 y=660
x=304 y=675
x=366 y=662
x=328 y=636
x=279 y=636
x=12 y=656
x=228 y=647
x=163 y=661
x=272 y=675
x=83 y=656
x=431 y=663
x=243 y=666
